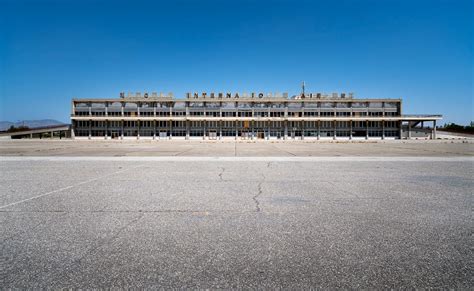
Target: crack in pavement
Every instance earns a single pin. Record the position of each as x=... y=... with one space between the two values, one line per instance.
x=220 y=174
x=260 y=191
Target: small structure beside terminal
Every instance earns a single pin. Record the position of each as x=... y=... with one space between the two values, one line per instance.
x=246 y=116
x=56 y=131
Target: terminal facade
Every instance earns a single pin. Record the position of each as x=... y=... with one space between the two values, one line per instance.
x=245 y=116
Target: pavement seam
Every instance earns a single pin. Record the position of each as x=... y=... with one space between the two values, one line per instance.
x=106 y=241
x=68 y=187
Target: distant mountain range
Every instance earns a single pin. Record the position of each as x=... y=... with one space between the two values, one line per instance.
x=4 y=125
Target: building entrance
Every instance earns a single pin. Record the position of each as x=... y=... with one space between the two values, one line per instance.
x=114 y=134
x=212 y=134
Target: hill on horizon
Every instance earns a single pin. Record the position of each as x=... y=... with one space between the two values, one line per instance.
x=4 y=125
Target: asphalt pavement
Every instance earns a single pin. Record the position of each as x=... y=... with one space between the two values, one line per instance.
x=236 y=223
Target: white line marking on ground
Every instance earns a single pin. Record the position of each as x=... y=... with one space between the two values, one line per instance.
x=240 y=159
x=68 y=187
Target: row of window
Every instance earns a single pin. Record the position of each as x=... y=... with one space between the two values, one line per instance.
x=232 y=133
x=306 y=124
x=241 y=114
x=117 y=105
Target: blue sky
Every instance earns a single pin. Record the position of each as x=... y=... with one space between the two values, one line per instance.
x=51 y=51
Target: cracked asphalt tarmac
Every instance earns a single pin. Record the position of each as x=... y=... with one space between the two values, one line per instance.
x=236 y=224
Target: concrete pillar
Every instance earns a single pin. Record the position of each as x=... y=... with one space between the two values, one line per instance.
x=383 y=129
x=106 y=129
x=220 y=129
x=302 y=130
x=400 y=129
x=268 y=130
x=285 y=137
x=31 y=135
x=409 y=130
x=236 y=131
x=138 y=131
x=187 y=129
x=204 y=129
x=51 y=134
x=121 y=129
x=90 y=129
x=366 y=129
x=350 y=129
x=434 y=129
x=319 y=129
x=252 y=128
x=154 y=129
x=171 y=128
x=334 y=128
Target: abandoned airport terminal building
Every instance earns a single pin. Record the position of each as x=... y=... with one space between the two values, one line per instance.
x=245 y=116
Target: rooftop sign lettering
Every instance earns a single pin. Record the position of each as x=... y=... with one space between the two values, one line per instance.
x=220 y=95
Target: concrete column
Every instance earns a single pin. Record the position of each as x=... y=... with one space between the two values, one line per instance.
x=253 y=128
x=220 y=129
x=302 y=130
x=51 y=134
x=106 y=109
x=268 y=130
x=90 y=129
x=138 y=131
x=366 y=129
x=171 y=128
x=400 y=129
x=285 y=137
x=319 y=129
x=121 y=129
x=106 y=129
x=187 y=129
x=334 y=128
x=409 y=130
x=204 y=129
x=434 y=130
x=31 y=135
x=73 y=130
x=350 y=129
x=383 y=129
x=236 y=131
x=154 y=129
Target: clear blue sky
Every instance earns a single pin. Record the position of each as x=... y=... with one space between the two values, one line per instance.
x=51 y=51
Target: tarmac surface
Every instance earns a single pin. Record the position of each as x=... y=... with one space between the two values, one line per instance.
x=293 y=221
x=240 y=148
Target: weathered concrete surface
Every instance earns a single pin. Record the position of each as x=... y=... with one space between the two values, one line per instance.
x=243 y=224
x=232 y=148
